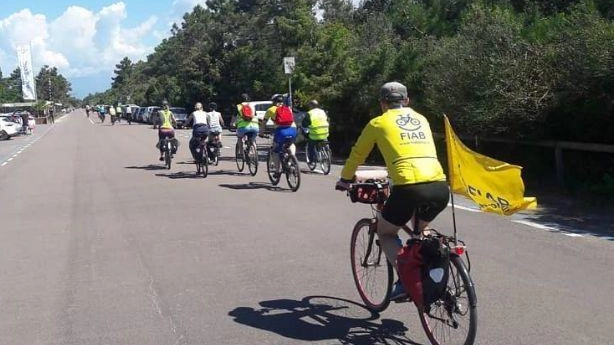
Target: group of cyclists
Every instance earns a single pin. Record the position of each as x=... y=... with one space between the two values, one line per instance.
x=401 y=134
x=116 y=112
x=208 y=124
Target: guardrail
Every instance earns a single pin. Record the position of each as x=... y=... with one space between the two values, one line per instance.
x=558 y=147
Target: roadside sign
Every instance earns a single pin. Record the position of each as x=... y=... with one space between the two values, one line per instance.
x=289 y=64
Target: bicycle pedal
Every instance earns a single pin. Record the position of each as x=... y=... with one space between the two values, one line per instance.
x=402 y=300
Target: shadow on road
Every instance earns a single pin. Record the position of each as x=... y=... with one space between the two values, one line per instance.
x=318 y=318
x=181 y=175
x=148 y=167
x=212 y=171
x=255 y=185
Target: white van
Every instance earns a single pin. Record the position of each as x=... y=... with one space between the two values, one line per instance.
x=259 y=107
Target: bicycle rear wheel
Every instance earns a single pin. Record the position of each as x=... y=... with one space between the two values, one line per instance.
x=252 y=159
x=167 y=154
x=453 y=319
x=239 y=156
x=311 y=164
x=271 y=169
x=204 y=161
x=372 y=272
x=293 y=173
x=325 y=159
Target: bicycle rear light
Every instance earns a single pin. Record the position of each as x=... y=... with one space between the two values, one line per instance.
x=459 y=250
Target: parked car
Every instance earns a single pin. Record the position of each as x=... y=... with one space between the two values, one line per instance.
x=139 y=114
x=8 y=128
x=181 y=115
x=148 y=114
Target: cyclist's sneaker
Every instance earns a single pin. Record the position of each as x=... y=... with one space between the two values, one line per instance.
x=398 y=293
x=161 y=158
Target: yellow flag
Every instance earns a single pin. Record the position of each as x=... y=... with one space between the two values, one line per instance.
x=494 y=185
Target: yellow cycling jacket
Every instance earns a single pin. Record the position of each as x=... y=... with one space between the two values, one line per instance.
x=165 y=119
x=405 y=140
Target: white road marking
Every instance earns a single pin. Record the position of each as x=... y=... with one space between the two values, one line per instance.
x=26 y=146
x=465 y=208
x=92 y=122
x=536 y=225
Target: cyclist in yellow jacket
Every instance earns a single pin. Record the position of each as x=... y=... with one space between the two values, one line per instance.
x=316 y=124
x=166 y=129
x=405 y=140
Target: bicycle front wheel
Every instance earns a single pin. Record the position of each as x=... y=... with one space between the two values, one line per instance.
x=239 y=157
x=453 y=319
x=252 y=159
x=293 y=173
x=372 y=272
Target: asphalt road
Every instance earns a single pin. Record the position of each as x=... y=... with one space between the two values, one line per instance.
x=101 y=245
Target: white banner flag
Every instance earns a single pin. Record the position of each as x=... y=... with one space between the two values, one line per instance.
x=28 y=88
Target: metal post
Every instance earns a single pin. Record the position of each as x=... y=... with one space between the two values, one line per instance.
x=290 y=92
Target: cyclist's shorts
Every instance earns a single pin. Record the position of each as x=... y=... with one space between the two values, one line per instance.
x=200 y=131
x=429 y=198
x=216 y=129
x=166 y=133
x=251 y=132
x=284 y=134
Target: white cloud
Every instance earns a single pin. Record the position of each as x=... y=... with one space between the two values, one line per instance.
x=79 y=42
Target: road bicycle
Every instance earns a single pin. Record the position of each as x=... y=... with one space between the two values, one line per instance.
x=246 y=152
x=321 y=155
x=287 y=164
x=202 y=161
x=452 y=318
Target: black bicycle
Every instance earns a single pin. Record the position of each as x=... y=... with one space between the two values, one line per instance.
x=167 y=151
x=213 y=149
x=321 y=155
x=452 y=318
x=202 y=161
x=246 y=152
x=286 y=164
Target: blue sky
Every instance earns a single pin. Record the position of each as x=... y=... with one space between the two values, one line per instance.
x=85 y=39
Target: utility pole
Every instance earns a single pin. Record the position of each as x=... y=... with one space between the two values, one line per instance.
x=49 y=87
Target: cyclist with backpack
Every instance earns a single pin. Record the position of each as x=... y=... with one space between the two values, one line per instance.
x=406 y=142
x=285 y=128
x=247 y=121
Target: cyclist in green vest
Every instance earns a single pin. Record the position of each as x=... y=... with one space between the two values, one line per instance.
x=166 y=129
x=247 y=125
x=315 y=124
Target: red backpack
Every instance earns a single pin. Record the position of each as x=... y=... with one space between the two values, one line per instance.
x=283 y=116
x=247 y=112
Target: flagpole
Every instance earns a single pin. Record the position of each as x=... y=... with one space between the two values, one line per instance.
x=450 y=183
x=453 y=215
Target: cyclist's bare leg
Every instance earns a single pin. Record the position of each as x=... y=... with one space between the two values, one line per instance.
x=389 y=239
